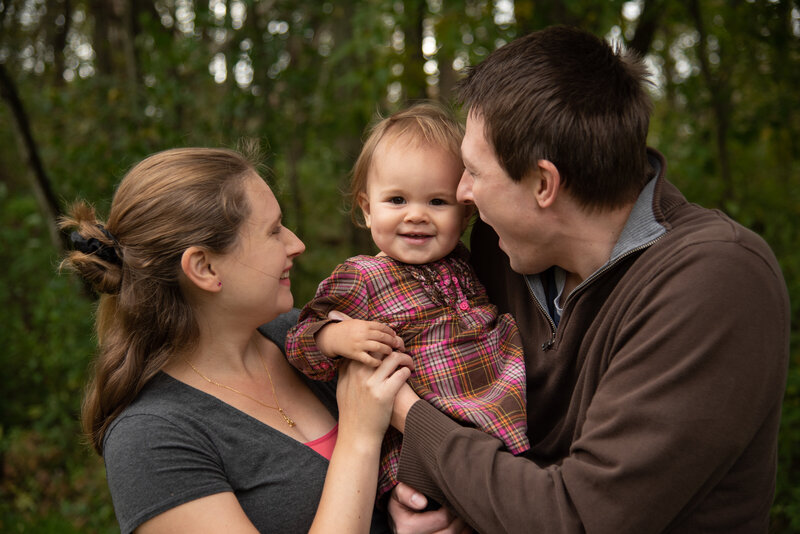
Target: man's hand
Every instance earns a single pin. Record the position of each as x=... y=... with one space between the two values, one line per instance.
x=365 y=341
x=405 y=504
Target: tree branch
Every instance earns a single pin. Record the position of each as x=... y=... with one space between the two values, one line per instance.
x=39 y=180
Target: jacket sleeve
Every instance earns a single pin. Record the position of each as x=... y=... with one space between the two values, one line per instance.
x=346 y=291
x=692 y=387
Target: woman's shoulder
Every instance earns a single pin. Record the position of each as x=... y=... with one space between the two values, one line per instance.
x=164 y=402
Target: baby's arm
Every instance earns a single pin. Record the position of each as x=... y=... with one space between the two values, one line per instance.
x=365 y=341
x=315 y=343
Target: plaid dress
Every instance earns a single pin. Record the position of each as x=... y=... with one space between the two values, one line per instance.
x=468 y=360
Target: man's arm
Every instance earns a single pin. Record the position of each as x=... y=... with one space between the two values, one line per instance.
x=693 y=384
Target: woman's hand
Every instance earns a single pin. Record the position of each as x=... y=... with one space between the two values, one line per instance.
x=365 y=395
x=365 y=341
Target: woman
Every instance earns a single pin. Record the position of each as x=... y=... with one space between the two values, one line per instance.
x=202 y=423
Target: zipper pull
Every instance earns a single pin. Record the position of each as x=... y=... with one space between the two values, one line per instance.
x=547 y=345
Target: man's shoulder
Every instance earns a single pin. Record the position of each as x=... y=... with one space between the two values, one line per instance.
x=704 y=228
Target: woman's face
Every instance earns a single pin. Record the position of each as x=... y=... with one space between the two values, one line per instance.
x=255 y=273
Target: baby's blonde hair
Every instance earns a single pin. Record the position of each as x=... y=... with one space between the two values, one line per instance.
x=425 y=122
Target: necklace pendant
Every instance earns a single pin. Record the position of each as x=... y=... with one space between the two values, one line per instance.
x=286 y=417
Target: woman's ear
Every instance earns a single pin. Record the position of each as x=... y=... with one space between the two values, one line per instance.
x=363 y=203
x=196 y=265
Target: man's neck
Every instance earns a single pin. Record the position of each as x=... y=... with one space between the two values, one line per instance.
x=588 y=241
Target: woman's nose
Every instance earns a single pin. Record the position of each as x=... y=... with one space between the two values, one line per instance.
x=294 y=246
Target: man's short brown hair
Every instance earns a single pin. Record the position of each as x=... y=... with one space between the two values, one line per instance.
x=566 y=96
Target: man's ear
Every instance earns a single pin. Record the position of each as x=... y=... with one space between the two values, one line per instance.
x=546 y=183
x=363 y=203
x=196 y=265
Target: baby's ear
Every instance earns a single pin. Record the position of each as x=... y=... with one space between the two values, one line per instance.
x=363 y=203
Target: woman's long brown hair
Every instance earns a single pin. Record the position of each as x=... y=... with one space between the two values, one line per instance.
x=167 y=203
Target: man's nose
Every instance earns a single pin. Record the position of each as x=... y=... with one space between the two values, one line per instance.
x=464 y=191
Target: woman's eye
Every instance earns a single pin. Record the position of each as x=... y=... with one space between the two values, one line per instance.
x=277 y=229
x=397 y=200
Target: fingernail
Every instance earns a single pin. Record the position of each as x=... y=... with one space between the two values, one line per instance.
x=418 y=500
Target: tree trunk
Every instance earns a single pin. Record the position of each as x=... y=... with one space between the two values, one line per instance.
x=39 y=179
x=720 y=103
x=447 y=77
x=101 y=41
x=59 y=43
x=414 y=78
x=129 y=31
x=646 y=27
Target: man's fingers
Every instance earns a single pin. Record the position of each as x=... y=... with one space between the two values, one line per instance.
x=409 y=497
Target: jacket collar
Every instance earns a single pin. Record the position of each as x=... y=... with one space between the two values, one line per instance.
x=644 y=226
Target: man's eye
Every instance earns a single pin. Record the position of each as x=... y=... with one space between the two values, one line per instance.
x=397 y=200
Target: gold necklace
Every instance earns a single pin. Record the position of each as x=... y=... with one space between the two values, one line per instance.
x=277 y=406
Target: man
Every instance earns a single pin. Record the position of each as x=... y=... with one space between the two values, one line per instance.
x=655 y=331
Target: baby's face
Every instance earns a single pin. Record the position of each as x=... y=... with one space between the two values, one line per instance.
x=410 y=203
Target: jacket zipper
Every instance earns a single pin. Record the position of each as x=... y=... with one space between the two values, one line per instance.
x=547 y=345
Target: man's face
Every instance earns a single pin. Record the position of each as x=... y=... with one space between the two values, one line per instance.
x=507 y=206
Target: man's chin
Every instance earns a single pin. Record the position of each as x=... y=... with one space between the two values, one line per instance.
x=518 y=266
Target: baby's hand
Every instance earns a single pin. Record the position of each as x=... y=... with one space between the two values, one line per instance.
x=365 y=341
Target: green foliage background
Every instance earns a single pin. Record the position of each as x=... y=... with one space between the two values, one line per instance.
x=104 y=84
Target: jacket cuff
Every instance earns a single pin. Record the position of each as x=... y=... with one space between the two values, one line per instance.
x=425 y=431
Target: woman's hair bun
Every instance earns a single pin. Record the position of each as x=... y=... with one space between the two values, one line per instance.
x=97 y=255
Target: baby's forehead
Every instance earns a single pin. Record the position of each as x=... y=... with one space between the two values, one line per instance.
x=410 y=140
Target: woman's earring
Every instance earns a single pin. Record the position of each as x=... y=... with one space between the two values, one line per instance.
x=219 y=284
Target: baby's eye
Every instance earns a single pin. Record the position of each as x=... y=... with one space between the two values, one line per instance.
x=397 y=200
x=438 y=202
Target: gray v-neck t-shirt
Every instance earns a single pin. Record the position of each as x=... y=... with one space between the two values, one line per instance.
x=175 y=444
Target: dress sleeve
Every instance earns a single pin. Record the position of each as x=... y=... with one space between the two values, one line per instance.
x=152 y=466
x=346 y=291
x=693 y=387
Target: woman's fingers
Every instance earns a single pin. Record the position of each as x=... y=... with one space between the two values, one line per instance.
x=391 y=363
x=367 y=358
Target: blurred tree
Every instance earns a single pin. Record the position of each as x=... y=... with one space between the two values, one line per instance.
x=103 y=83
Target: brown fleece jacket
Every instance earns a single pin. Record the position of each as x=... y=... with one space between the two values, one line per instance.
x=653 y=407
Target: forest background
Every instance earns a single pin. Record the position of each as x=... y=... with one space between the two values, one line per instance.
x=89 y=87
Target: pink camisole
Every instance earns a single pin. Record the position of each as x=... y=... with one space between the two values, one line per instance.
x=324 y=445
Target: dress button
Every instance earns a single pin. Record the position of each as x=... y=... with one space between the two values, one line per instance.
x=464 y=305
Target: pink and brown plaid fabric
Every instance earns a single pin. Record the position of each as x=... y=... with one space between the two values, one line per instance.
x=468 y=360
